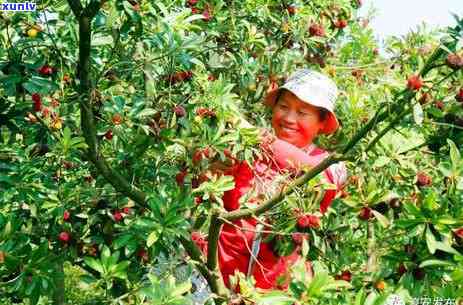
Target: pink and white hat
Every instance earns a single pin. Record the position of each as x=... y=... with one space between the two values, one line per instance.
x=313 y=88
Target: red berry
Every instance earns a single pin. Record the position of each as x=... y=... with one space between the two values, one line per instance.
x=207 y=15
x=194 y=183
x=192 y=2
x=418 y=274
x=37 y=101
x=401 y=270
x=459 y=233
x=179 y=111
x=117 y=119
x=459 y=96
x=439 y=105
x=64 y=237
x=292 y=9
x=194 y=10
x=109 y=134
x=205 y=112
x=66 y=215
x=414 y=82
x=198 y=200
x=46 y=70
x=308 y=221
x=316 y=30
x=365 y=213
x=422 y=179
x=180 y=177
x=197 y=156
x=118 y=216
x=126 y=210
x=211 y=77
x=302 y=222
x=340 y=23
x=345 y=276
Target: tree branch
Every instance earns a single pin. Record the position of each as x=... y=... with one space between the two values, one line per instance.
x=76 y=7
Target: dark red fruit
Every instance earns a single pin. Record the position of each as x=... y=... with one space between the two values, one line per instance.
x=207 y=15
x=205 y=112
x=292 y=9
x=46 y=70
x=454 y=61
x=340 y=23
x=422 y=179
x=197 y=156
x=180 y=177
x=198 y=200
x=418 y=274
x=459 y=96
x=179 y=111
x=37 y=101
x=316 y=30
x=401 y=270
x=66 y=215
x=414 y=82
x=143 y=255
x=126 y=210
x=345 y=276
x=192 y=2
x=211 y=78
x=308 y=221
x=194 y=10
x=459 y=233
x=365 y=213
x=117 y=216
x=439 y=105
x=109 y=134
x=64 y=237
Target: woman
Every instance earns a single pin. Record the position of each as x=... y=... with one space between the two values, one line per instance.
x=302 y=109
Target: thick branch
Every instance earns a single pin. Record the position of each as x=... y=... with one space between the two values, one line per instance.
x=76 y=7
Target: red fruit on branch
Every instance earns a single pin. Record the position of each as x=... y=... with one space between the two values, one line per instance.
x=207 y=14
x=66 y=215
x=454 y=61
x=126 y=210
x=194 y=10
x=422 y=179
x=365 y=213
x=401 y=270
x=414 y=82
x=46 y=70
x=340 y=23
x=205 y=112
x=180 y=177
x=198 y=200
x=458 y=233
x=316 y=30
x=143 y=255
x=179 y=111
x=459 y=96
x=439 y=105
x=64 y=237
x=37 y=101
x=192 y=2
x=292 y=9
x=345 y=276
x=109 y=134
x=197 y=156
x=117 y=216
x=308 y=221
x=117 y=119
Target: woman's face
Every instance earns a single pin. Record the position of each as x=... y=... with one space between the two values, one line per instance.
x=294 y=121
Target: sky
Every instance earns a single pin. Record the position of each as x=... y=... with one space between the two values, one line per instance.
x=398 y=17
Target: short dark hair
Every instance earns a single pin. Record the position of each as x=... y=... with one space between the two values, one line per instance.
x=322 y=112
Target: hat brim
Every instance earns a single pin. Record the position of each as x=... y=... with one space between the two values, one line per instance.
x=331 y=122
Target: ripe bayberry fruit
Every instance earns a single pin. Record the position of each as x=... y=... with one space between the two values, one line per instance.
x=192 y=2
x=197 y=156
x=37 y=101
x=459 y=233
x=66 y=215
x=292 y=9
x=418 y=274
x=340 y=23
x=454 y=61
x=401 y=270
x=207 y=15
x=439 y=105
x=117 y=216
x=414 y=82
x=179 y=111
x=459 y=96
x=198 y=200
x=180 y=177
x=365 y=213
x=126 y=210
x=345 y=276
x=46 y=70
x=143 y=255
x=64 y=237
x=316 y=29
x=109 y=134
x=205 y=112
x=422 y=179
x=308 y=221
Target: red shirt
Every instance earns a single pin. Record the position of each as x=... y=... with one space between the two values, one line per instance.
x=235 y=241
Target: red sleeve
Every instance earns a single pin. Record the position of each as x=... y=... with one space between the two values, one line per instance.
x=243 y=176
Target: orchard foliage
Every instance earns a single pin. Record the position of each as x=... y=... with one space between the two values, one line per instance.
x=112 y=112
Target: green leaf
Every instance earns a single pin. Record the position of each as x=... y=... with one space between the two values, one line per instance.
x=454 y=156
x=94 y=264
x=436 y=262
x=40 y=85
x=152 y=238
x=101 y=40
x=381 y=161
x=446 y=248
x=381 y=218
x=275 y=298
x=430 y=241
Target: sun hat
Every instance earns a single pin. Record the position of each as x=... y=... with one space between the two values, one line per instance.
x=313 y=88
